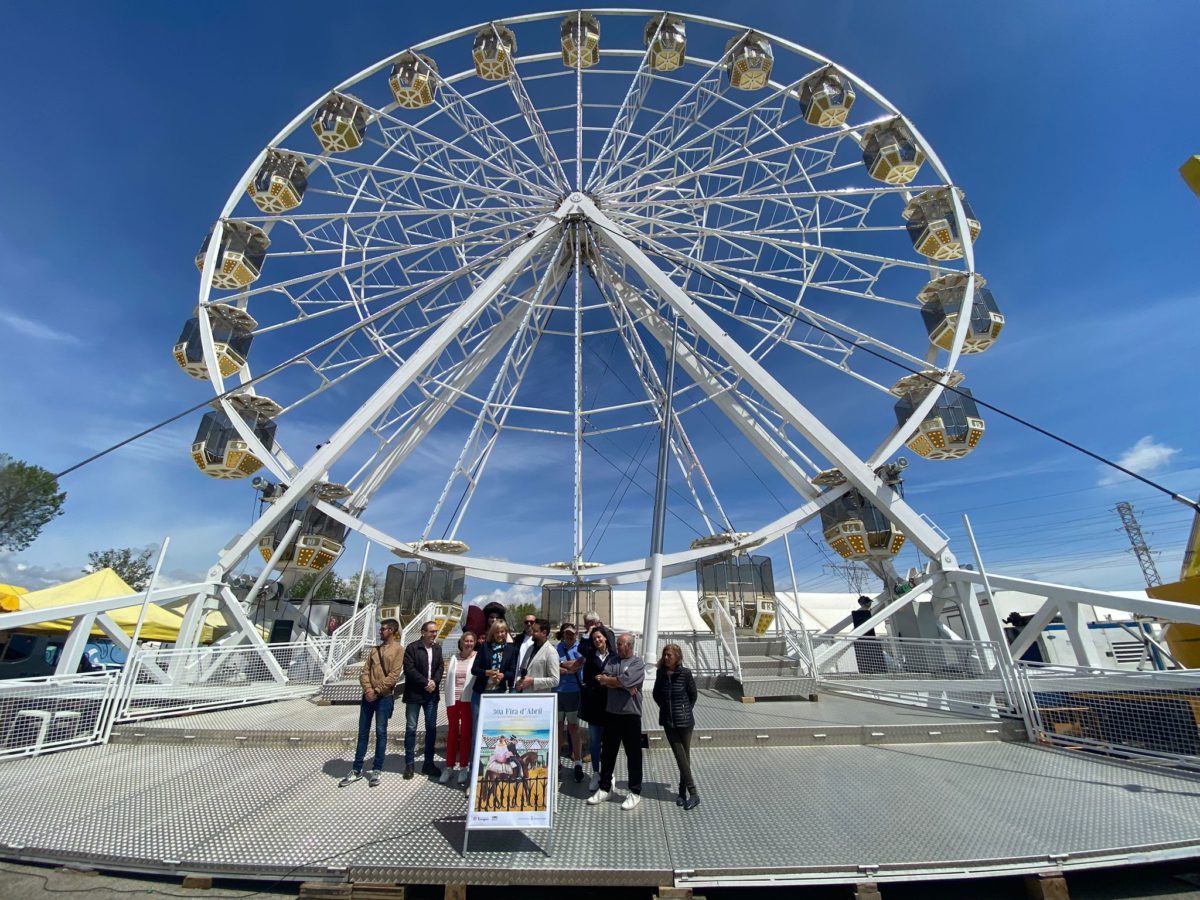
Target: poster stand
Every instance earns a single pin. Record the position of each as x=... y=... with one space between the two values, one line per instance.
x=516 y=737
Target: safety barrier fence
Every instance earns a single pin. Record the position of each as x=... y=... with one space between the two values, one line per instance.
x=1150 y=715
x=56 y=712
x=170 y=682
x=959 y=676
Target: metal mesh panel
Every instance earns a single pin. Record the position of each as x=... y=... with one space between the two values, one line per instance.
x=957 y=675
x=170 y=682
x=1125 y=713
x=411 y=586
x=570 y=602
x=740 y=583
x=38 y=715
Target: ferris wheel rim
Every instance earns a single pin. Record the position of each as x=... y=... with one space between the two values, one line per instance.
x=207 y=290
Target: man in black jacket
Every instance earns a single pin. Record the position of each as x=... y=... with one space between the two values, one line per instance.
x=422 y=686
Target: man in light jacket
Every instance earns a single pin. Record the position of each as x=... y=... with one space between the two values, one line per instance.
x=540 y=670
x=383 y=669
x=623 y=676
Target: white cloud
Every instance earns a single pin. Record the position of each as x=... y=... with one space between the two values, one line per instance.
x=1144 y=457
x=34 y=329
x=34 y=577
x=511 y=596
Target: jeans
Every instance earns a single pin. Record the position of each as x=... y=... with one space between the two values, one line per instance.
x=459 y=734
x=412 y=712
x=622 y=730
x=595 y=743
x=381 y=710
x=680 y=740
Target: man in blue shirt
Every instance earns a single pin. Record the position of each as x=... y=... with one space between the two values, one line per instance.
x=570 y=662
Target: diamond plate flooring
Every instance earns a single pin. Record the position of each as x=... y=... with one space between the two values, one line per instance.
x=785 y=814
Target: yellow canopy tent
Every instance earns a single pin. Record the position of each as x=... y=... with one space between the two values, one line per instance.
x=160 y=624
x=10 y=597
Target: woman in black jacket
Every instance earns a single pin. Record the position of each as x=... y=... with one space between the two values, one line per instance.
x=593 y=699
x=675 y=694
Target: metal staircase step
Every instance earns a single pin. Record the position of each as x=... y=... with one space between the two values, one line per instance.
x=758 y=666
x=762 y=647
x=776 y=686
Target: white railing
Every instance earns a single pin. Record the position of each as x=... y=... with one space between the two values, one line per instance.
x=1118 y=712
x=797 y=639
x=348 y=640
x=726 y=632
x=960 y=676
x=170 y=682
x=56 y=712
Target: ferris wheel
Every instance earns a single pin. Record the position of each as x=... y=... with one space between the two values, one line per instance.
x=493 y=264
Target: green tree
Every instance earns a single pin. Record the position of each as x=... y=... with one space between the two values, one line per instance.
x=515 y=615
x=29 y=498
x=372 y=591
x=132 y=564
x=332 y=587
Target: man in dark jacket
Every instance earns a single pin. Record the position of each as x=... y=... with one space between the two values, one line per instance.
x=422 y=687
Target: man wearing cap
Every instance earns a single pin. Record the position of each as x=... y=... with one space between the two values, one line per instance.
x=570 y=662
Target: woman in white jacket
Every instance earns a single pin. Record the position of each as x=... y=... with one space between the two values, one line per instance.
x=457 y=686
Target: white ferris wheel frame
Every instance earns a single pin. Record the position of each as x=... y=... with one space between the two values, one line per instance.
x=577 y=207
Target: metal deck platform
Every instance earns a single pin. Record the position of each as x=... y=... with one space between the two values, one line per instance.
x=906 y=793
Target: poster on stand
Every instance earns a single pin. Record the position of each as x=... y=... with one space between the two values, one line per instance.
x=516 y=756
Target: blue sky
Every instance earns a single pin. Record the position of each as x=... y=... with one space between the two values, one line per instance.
x=1066 y=124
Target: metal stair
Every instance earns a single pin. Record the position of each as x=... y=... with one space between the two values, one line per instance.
x=346 y=689
x=768 y=671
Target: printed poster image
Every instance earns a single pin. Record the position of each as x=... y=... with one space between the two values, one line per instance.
x=516 y=757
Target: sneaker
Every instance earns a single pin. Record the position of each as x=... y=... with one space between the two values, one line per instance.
x=578 y=773
x=464 y=775
x=633 y=800
x=681 y=799
x=408 y=772
x=599 y=797
x=594 y=783
x=431 y=770
x=446 y=773
x=692 y=802
x=374 y=778
x=354 y=776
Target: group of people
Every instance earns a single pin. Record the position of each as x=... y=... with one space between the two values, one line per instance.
x=597 y=676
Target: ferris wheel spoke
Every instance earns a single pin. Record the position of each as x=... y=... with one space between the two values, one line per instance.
x=495 y=142
x=737 y=133
x=757 y=377
x=537 y=130
x=817 y=345
x=716 y=379
x=695 y=102
x=681 y=445
x=618 y=135
x=496 y=406
x=451 y=159
x=441 y=391
x=360 y=181
x=466 y=314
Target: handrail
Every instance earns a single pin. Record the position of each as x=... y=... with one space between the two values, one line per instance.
x=348 y=639
x=800 y=647
x=726 y=633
